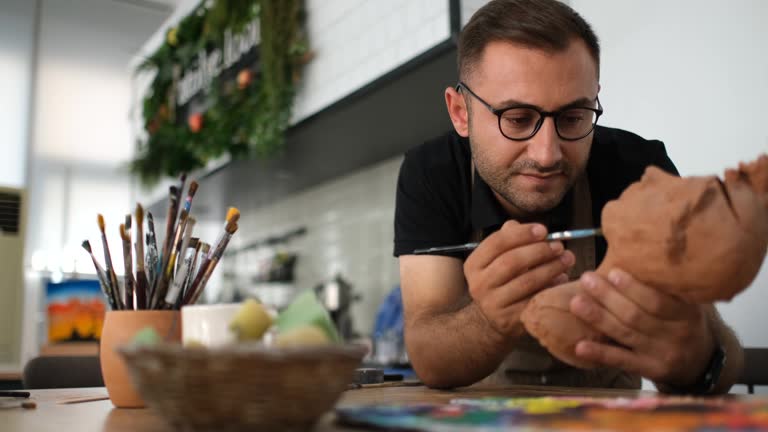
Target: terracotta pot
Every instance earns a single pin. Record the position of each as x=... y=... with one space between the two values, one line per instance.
x=119 y=329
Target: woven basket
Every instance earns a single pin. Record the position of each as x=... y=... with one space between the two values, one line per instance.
x=241 y=387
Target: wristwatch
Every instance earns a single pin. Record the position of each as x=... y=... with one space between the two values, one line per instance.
x=711 y=376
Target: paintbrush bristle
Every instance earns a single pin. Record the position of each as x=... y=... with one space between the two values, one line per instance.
x=128 y=222
x=192 y=188
x=183 y=177
x=123 y=234
x=150 y=218
x=233 y=215
x=139 y=215
x=87 y=246
x=101 y=223
x=231 y=227
x=205 y=248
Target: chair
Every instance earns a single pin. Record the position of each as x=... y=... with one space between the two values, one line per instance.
x=62 y=372
x=755 y=370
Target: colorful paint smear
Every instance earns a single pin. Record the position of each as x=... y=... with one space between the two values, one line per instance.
x=670 y=414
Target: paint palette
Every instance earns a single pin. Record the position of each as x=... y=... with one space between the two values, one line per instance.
x=683 y=414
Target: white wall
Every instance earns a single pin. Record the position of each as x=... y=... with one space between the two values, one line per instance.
x=16 y=44
x=81 y=140
x=694 y=74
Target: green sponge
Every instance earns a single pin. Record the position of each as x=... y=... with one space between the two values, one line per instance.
x=305 y=309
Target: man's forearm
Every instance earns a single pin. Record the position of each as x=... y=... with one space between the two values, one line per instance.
x=454 y=349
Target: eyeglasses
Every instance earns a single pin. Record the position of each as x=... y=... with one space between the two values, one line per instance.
x=521 y=122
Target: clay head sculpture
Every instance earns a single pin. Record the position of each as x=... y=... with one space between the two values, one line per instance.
x=698 y=238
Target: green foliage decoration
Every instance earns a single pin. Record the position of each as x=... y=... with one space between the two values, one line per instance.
x=242 y=119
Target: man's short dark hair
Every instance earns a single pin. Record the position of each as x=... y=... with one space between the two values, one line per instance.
x=544 y=24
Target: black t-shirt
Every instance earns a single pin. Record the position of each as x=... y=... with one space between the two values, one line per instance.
x=437 y=205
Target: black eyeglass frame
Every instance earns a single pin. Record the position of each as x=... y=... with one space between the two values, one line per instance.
x=498 y=112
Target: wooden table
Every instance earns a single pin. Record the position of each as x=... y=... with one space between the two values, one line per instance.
x=52 y=415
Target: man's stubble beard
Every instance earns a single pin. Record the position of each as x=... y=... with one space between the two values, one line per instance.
x=500 y=181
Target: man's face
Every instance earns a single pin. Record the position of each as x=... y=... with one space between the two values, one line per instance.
x=531 y=176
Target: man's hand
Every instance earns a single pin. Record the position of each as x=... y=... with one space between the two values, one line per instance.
x=659 y=336
x=509 y=267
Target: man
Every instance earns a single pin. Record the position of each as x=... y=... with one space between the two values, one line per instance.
x=527 y=158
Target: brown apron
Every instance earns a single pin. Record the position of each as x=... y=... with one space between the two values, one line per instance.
x=531 y=364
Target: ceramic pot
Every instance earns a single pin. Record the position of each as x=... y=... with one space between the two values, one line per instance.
x=120 y=327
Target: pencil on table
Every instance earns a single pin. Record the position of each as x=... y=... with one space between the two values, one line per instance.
x=110 y=270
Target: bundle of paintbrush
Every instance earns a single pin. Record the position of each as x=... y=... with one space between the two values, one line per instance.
x=172 y=276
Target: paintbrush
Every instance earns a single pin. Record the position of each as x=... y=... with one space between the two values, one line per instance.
x=185 y=274
x=195 y=244
x=188 y=293
x=170 y=223
x=153 y=261
x=555 y=236
x=180 y=190
x=181 y=229
x=110 y=270
x=233 y=215
x=142 y=283
x=129 y=282
x=178 y=279
x=102 y=275
x=199 y=286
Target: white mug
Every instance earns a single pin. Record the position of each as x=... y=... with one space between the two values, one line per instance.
x=208 y=325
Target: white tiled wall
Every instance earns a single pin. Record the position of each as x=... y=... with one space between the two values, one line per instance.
x=357 y=41
x=354 y=42
x=350 y=231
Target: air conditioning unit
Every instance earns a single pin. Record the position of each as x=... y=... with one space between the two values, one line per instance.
x=12 y=221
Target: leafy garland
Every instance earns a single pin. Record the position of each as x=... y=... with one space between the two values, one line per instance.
x=245 y=117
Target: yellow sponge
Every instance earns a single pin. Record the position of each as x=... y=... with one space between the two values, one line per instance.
x=307 y=335
x=251 y=321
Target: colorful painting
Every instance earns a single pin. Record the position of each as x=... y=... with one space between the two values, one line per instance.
x=684 y=414
x=75 y=311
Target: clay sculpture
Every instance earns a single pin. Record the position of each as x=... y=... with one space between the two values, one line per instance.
x=698 y=238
